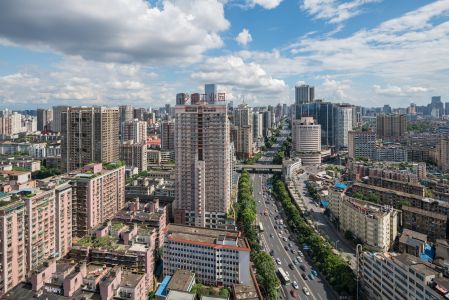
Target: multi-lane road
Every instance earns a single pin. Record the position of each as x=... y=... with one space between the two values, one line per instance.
x=276 y=240
x=320 y=221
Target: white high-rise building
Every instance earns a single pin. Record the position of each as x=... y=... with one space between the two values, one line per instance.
x=257 y=125
x=306 y=140
x=343 y=124
x=203 y=184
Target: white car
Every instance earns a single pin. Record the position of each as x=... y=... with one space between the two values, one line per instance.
x=295 y=285
x=278 y=261
x=285 y=239
x=306 y=291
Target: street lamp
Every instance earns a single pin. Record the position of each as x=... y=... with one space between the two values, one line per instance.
x=358 y=250
x=336 y=243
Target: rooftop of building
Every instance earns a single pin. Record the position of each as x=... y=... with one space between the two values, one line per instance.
x=24 y=291
x=130 y=279
x=369 y=208
x=177 y=295
x=206 y=236
x=245 y=292
x=181 y=280
x=430 y=214
x=410 y=234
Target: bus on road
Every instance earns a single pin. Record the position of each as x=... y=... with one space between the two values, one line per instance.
x=283 y=276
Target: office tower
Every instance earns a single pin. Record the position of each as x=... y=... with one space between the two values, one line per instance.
x=357 y=116
x=126 y=113
x=181 y=98
x=98 y=194
x=210 y=90
x=324 y=114
x=202 y=164
x=435 y=108
x=57 y=110
x=135 y=131
x=343 y=124
x=306 y=140
x=40 y=228
x=44 y=119
x=446 y=105
x=213 y=255
x=361 y=144
x=304 y=93
x=278 y=112
x=284 y=110
x=12 y=242
x=391 y=127
x=386 y=109
x=134 y=155
x=257 y=126
x=266 y=122
x=89 y=134
x=168 y=135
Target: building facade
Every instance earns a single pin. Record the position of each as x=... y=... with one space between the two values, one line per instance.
x=361 y=144
x=391 y=127
x=304 y=94
x=217 y=257
x=202 y=140
x=89 y=134
x=134 y=155
x=168 y=135
x=135 y=131
x=306 y=140
x=343 y=124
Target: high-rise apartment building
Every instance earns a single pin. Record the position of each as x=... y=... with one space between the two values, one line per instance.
x=10 y=123
x=12 y=243
x=343 y=124
x=361 y=144
x=126 y=114
x=168 y=135
x=267 y=123
x=98 y=194
x=135 y=131
x=257 y=126
x=202 y=164
x=44 y=119
x=443 y=153
x=217 y=257
x=57 y=111
x=134 y=155
x=306 y=140
x=63 y=217
x=391 y=127
x=40 y=228
x=89 y=134
x=304 y=93
x=243 y=131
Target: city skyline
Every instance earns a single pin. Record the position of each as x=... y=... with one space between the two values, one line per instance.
x=358 y=52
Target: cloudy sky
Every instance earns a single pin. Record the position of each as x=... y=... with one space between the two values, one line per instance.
x=111 y=52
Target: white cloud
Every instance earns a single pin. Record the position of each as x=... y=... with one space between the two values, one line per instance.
x=267 y=4
x=116 y=30
x=241 y=78
x=244 y=37
x=334 y=11
x=393 y=90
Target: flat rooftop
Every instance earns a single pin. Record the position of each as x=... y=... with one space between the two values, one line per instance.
x=209 y=236
x=181 y=280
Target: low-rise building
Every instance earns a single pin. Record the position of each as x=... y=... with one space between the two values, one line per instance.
x=217 y=257
x=393 y=276
x=375 y=225
x=412 y=242
x=428 y=222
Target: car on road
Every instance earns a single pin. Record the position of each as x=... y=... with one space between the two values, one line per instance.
x=296 y=262
x=278 y=261
x=285 y=239
x=295 y=285
x=300 y=253
x=311 y=277
x=290 y=244
x=291 y=266
x=299 y=259
x=275 y=227
x=314 y=273
x=271 y=235
x=306 y=291
x=293 y=251
x=304 y=276
x=271 y=252
x=286 y=248
x=302 y=267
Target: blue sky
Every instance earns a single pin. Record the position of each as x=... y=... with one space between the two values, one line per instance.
x=111 y=52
